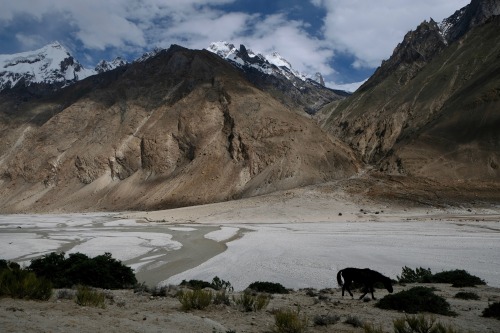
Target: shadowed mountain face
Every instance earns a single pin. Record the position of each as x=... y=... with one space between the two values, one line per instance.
x=184 y=127
x=433 y=109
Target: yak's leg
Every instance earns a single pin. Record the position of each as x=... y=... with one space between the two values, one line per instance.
x=365 y=289
x=346 y=286
x=372 y=290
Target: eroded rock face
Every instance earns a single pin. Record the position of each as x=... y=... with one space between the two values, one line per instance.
x=183 y=127
x=431 y=110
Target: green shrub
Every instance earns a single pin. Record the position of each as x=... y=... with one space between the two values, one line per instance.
x=248 y=302
x=419 y=275
x=467 y=295
x=219 y=284
x=66 y=294
x=458 y=278
x=196 y=284
x=370 y=328
x=289 y=321
x=414 y=300
x=353 y=321
x=4 y=264
x=197 y=299
x=421 y=324
x=86 y=296
x=102 y=271
x=493 y=310
x=221 y=298
x=268 y=287
x=325 y=320
x=216 y=284
x=261 y=302
x=21 y=283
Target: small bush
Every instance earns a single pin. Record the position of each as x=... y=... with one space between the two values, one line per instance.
x=467 y=295
x=196 y=284
x=221 y=298
x=419 y=275
x=325 y=320
x=20 y=283
x=219 y=284
x=414 y=300
x=353 y=321
x=458 y=278
x=493 y=311
x=195 y=299
x=370 y=328
x=421 y=324
x=268 y=287
x=289 y=321
x=66 y=294
x=86 y=296
x=248 y=302
x=216 y=284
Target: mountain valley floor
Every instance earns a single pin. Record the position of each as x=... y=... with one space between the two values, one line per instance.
x=349 y=205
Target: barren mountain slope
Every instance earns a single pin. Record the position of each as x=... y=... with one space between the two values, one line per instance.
x=435 y=113
x=181 y=128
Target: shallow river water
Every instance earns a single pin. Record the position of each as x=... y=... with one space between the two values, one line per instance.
x=296 y=255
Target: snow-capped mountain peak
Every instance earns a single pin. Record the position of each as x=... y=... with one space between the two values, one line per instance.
x=149 y=54
x=276 y=59
x=272 y=63
x=222 y=49
x=51 y=64
x=104 y=66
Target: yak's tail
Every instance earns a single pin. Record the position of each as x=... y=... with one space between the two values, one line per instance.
x=339 y=278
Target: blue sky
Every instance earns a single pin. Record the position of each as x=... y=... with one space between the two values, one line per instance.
x=345 y=40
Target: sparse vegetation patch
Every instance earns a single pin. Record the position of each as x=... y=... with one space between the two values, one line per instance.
x=21 y=283
x=197 y=299
x=86 y=296
x=289 y=321
x=421 y=324
x=248 y=302
x=419 y=275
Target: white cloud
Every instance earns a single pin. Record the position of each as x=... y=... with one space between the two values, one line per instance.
x=350 y=87
x=370 y=30
x=29 y=41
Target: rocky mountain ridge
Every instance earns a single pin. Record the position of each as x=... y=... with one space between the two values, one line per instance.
x=430 y=110
x=274 y=74
x=183 y=127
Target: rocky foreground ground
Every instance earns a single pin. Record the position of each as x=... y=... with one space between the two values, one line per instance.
x=126 y=311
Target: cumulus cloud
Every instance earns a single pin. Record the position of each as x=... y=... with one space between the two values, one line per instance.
x=29 y=41
x=370 y=30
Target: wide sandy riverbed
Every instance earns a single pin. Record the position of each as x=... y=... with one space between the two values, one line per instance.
x=294 y=254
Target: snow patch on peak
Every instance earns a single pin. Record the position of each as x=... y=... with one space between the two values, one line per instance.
x=105 y=66
x=272 y=64
x=276 y=59
x=149 y=55
x=222 y=49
